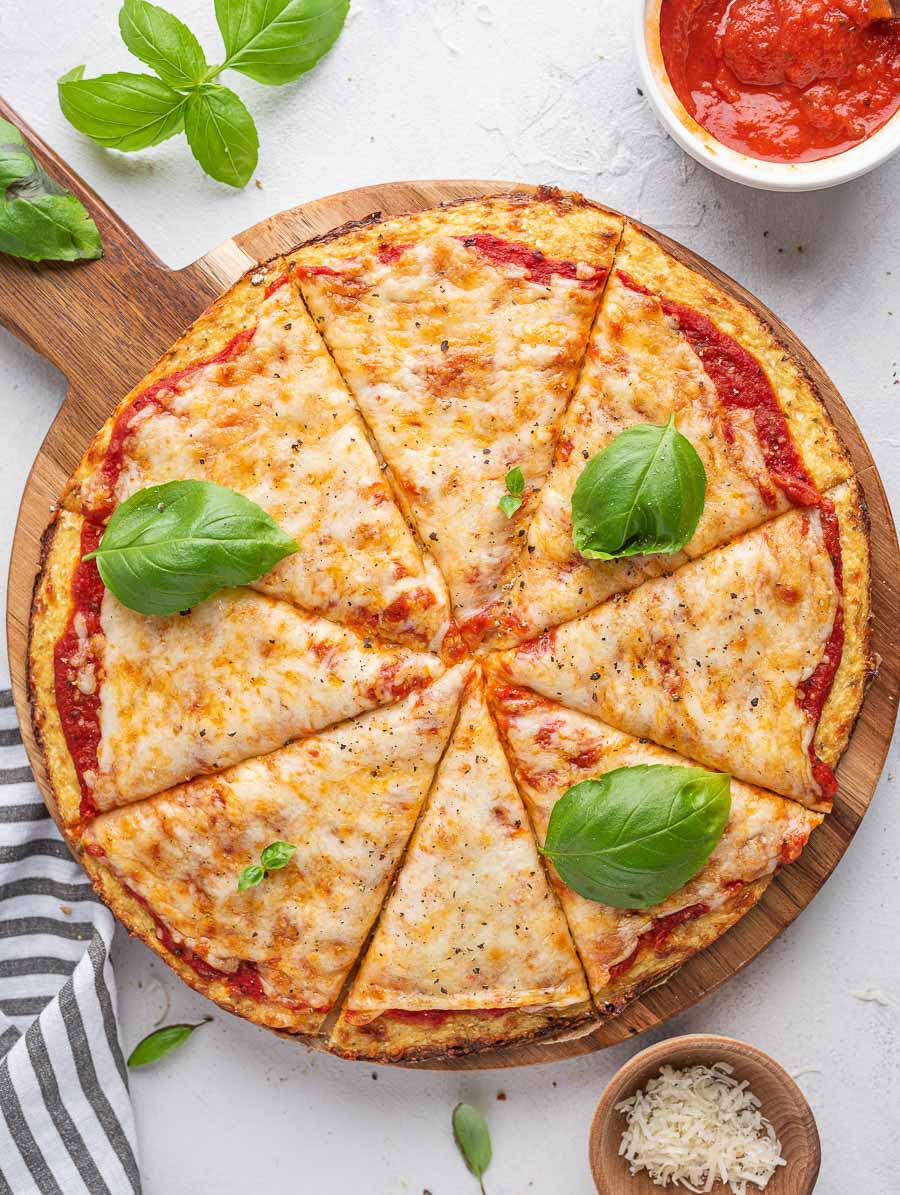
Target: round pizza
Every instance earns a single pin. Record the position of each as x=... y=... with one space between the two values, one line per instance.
x=569 y=526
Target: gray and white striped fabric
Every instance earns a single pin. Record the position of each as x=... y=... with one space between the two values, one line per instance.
x=67 y=1126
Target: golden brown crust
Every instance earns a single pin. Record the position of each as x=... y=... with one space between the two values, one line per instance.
x=857 y=666
x=60 y=550
x=810 y=425
x=387 y=1039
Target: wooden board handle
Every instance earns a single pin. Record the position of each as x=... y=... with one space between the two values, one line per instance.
x=83 y=316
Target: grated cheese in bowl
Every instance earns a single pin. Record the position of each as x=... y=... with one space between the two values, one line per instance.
x=699 y=1126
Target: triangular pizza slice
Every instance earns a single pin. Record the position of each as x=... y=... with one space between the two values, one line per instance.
x=346 y=799
x=669 y=341
x=471 y=950
x=626 y=951
x=752 y=659
x=461 y=332
x=127 y=705
x=250 y=398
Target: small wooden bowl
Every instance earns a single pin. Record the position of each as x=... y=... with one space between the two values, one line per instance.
x=782 y=1103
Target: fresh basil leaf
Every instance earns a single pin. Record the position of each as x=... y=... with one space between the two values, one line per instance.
x=643 y=493
x=169 y=547
x=252 y=875
x=163 y=43
x=39 y=219
x=222 y=135
x=636 y=835
x=277 y=855
x=515 y=488
x=161 y=1042
x=276 y=41
x=122 y=111
x=471 y=1134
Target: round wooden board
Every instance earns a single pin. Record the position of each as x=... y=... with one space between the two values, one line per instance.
x=105 y=323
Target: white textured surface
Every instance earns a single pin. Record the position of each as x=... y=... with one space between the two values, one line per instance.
x=544 y=90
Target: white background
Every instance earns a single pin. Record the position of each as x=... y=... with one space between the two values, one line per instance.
x=546 y=91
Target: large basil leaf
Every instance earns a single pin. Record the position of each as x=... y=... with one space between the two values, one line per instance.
x=643 y=493
x=276 y=41
x=163 y=43
x=169 y=547
x=122 y=111
x=39 y=219
x=221 y=134
x=636 y=835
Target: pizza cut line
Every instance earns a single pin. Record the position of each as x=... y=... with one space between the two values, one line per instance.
x=370 y=391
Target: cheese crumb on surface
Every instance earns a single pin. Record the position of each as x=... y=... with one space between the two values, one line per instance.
x=699 y=1126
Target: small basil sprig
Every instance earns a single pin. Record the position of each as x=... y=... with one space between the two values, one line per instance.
x=275 y=856
x=636 y=835
x=161 y=1042
x=169 y=547
x=39 y=219
x=515 y=488
x=471 y=1134
x=271 y=41
x=643 y=493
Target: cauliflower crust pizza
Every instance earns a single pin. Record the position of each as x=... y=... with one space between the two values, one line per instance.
x=400 y=704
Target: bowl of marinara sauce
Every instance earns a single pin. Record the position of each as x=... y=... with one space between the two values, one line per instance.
x=787 y=95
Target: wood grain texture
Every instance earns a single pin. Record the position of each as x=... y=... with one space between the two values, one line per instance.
x=783 y=1104
x=105 y=323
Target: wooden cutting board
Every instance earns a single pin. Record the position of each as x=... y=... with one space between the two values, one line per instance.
x=104 y=324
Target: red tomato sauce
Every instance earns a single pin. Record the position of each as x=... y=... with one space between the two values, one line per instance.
x=537 y=267
x=657 y=935
x=439 y=1016
x=782 y=80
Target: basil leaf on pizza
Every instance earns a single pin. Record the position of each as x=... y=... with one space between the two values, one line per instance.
x=155 y=1045
x=277 y=855
x=276 y=41
x=635 y=835
x=515 y=488
x=643 y=493
x=169 y=547
x=39 y=219
x=163 y=43
x=470 y=1132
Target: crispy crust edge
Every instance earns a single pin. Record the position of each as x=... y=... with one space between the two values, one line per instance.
x=464 y=1033
x=812 y=428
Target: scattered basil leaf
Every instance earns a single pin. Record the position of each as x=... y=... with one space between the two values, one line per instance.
x=221 y=134
x=277 y=855
x=471 y=1134
x=276 y=41
x=163 y=43
x=161 y=1042
x=643 y=493
x=169 y=547
x=39 y=219
x=252 y=875
x=515 y=488
x=635 y=835
x=122 y=111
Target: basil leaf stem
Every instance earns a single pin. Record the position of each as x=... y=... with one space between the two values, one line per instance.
x=471 y=1134
x=635 y=835
x=162 y=1041
x=169 y=547
x=643 y=493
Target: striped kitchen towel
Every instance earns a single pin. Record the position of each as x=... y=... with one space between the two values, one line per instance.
x=67 y=1125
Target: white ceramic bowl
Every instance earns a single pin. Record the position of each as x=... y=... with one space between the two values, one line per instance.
x=768 y=176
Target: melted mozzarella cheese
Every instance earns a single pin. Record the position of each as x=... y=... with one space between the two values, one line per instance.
x=472 y=923
x=552 y=748
x=239 y=675
x=278 y=424
x=347 y=799
x=462 y=366
x=708 y=660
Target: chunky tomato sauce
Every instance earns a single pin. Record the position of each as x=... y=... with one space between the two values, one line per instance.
x=742 y=384
x=782 y=80
x=439 y=1016
x=537 y=267
x=656 y=936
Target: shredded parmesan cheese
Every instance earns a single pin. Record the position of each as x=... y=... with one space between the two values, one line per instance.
x=699 y=1126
